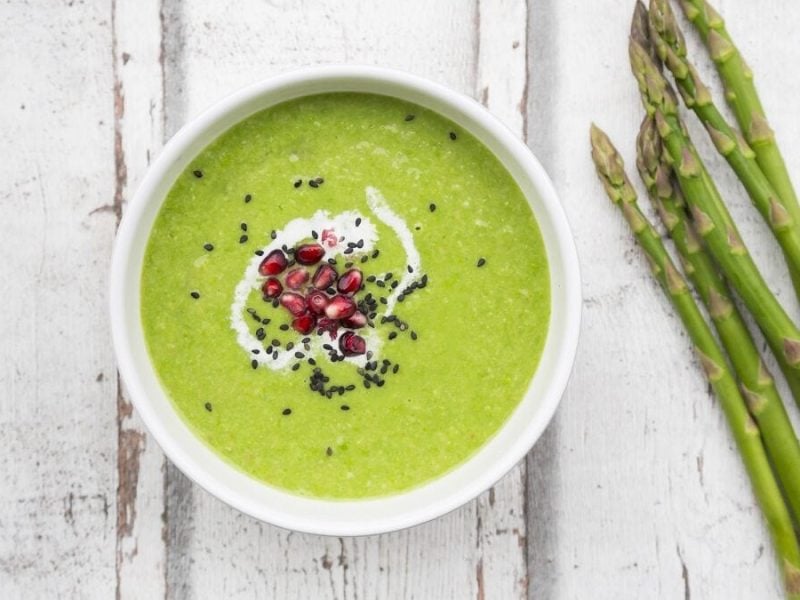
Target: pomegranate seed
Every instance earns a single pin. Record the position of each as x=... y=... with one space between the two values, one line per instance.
x=329 y=238
x=304 y=323
x=309 y=254
x=316 y=302
x=329 y=325
x=351 y=344
x=294 y=303
x=275 y=262
x=340 y=307
x=296 y=278
x=272 y=288
x=324 y=277
x=355 y=321
x=350 y=281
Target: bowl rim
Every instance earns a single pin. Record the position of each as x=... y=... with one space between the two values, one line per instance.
x=175 y=150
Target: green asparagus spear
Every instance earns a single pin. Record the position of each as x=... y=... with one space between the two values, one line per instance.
x=712 y=219
x=757 y=385
x=669 y=45
x=743 y=98
x=746 y=433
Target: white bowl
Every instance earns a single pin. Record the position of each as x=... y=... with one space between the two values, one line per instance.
x=358 y=517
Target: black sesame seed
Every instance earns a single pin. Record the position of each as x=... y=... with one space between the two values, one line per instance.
x=284 y=327
x=344 y=407
x=197 y=173
x=367 y=384
x=360 y=244
x=358 y=221
x=350 y=387
x=410 y=269
x=286 y=412
x=243 y=226
x=312 y=362
x=347 y=265
x=298 y=183
x=364 y=258
x=401 y=297
x=314 y=234
x=259 y=253
x=275 y=342
x=395 y=284
x=289 y=345
x=195 y=295
x=208 y=406
x=329 y=451
x=243 y=239
x=319 y=180
x=481 y=262
x=432 y=207
x=260 y=334
x=299 y=355
x=254 y=363
x=381 y=284
x=371 y=278
x=383 y=300
x=380 y=383
x=313 y=183
x=275 y=304
x=273 y=234
x=453 y=135
x=413 y=335
x=295 y=366
x=247 y=198
x=275 y=355
x=252 y=311
x=265 y=321
x=395 y=369
x=208 y=247
x=376 y=253
x=331 y=261
x=392 y=335
x=384 y=369
x=409 y=118
x=348 y=251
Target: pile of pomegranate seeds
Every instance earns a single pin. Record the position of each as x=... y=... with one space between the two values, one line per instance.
x=322 y=300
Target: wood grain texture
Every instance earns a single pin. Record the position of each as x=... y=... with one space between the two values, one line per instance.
x=57 y=378
x=137 y=56
x=635 y=491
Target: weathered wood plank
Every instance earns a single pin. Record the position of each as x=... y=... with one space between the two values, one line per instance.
x=57 y=383
x=636 y=489
x=476 y=551
x=138 y=134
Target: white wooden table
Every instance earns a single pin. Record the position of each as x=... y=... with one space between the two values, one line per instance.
x=634 y=491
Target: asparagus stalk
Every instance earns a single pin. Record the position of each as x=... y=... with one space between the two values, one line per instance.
x=669 y=45
x=743 y=98
x=746 y=433
x=757 y=385
x=713 y=221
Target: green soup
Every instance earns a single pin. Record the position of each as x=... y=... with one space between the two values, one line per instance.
x=445 y=268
